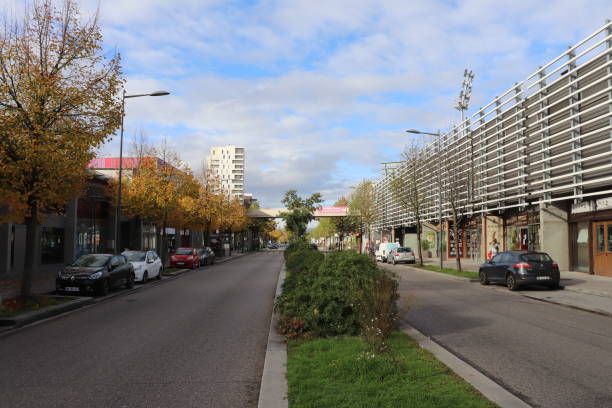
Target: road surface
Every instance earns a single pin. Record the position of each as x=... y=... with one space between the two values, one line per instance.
x=195 y=341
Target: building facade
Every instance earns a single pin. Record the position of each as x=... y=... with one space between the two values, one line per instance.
x=530 y=170
x=228 y=163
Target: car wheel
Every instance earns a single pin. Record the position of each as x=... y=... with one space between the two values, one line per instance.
x=130 y=281
x=159 y=274
x=511 y=282
x=484 y=280
x=554 y=286
x=103 y=288
x=145 y=277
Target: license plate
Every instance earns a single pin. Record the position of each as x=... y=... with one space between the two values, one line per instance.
x=71 y=289
x=180 y=263
x=543 y=277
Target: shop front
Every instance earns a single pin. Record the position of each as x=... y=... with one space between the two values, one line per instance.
x=591 y=237
x=522 y=231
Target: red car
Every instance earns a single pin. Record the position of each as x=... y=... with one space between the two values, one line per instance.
x=185 y=258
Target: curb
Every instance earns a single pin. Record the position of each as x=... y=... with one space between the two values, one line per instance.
x=588 y=291
x=487 y=387
x=33 y=316
x=584 y=309
x=273 y=388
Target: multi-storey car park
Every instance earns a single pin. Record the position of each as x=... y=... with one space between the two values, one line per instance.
x=534 y=168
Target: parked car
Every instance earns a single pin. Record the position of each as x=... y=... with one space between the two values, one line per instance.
x=401 y=254
x=206 y=255
x=272 y=246
x=146 y=265
x=383 y=250
x=520 y=268
x=96 y=273
x=185 y=257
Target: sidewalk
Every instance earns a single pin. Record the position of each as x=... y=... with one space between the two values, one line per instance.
x=582 y=291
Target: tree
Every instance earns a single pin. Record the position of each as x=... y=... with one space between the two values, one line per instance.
x=454 y=183
x=344 y=225
x=363 y=206
x=301 y=212
x=405 y=188
x=156 y=189
x=59 y=102
x=325 y=229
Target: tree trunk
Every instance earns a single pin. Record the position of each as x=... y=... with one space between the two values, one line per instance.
x=456 y=233
x=164 y=246
x=32 y=249
x=419 y=244
x=207 y=235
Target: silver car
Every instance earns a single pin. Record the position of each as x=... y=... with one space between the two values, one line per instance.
x=401 y=254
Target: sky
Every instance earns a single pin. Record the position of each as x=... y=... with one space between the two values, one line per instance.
x=319 y=93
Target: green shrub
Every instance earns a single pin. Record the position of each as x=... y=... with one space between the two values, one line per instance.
x=295 y=246
x=303 y=261
x=377 y=311
x=323 y=293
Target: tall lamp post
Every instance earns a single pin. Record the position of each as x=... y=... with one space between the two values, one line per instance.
x=118 y=209
x=439 y=139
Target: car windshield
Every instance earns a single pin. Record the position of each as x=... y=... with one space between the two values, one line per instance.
x=92 y=260
x=134 y=256
x=536 y=257
x=404 y=250
x=184 y=251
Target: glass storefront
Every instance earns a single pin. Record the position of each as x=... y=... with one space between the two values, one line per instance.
x=580 y=246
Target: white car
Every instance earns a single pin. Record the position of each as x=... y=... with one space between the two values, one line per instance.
x=147 y=264
x=383 y=250
x=401 y=254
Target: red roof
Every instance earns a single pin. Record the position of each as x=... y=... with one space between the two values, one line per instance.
x=113 y=162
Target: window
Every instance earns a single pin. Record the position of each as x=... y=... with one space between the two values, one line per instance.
x=52 y=245
x=600 y=238
x=609 y=237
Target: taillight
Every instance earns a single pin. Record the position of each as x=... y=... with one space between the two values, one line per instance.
x=555 y=265
x=523 y=265
x=396 y=254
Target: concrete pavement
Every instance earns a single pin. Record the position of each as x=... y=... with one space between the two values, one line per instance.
x=198 y=340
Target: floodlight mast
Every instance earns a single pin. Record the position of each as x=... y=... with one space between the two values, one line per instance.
x=463 y=101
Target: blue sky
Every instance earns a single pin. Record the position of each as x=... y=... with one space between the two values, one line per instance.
x=320 y=92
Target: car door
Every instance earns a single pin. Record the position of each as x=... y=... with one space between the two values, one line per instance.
x=115 y=270
x=494 y=267
x=155 y=263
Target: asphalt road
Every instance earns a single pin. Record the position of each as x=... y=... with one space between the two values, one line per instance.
x=195 y=341
x=548 y=355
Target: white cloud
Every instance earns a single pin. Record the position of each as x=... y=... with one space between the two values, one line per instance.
x=320 y=92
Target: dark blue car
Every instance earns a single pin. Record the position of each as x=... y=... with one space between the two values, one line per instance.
x=520 y=268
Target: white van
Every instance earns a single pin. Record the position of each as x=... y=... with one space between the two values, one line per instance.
x=383 y=250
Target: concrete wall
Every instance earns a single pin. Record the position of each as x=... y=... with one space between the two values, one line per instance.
x=554 y=235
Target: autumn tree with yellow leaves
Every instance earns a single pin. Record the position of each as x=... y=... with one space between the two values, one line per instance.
x=156 y=190
x=59 y=101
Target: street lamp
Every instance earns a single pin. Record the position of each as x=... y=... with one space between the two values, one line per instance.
x=438 y=135
x=117 y=210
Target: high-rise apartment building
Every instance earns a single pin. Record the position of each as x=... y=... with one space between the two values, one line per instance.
x=227 y=163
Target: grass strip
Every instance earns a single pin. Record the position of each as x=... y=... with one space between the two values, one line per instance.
x=15 y=306
x=448 y=271
x=341 y=372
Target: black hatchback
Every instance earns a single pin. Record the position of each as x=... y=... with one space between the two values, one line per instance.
x=520 y=268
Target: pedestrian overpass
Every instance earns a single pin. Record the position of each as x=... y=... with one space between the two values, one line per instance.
x=321 y=212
